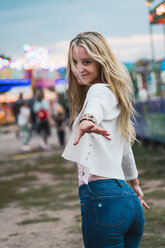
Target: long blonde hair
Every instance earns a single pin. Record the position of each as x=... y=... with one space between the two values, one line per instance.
x=113 y=73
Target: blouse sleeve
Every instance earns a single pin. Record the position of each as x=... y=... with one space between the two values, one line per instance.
x=100 y=101
x=128 y=163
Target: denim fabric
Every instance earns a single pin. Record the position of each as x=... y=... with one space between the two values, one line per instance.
x=112 y=216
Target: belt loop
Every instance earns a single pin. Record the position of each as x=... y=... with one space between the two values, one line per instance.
x=89 y=189
x=118 y=182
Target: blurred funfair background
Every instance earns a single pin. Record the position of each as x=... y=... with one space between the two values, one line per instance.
x=34 y=42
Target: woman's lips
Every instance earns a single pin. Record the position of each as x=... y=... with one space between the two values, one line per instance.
x=84 y=75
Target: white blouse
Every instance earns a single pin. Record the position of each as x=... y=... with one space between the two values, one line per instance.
x=99 y=156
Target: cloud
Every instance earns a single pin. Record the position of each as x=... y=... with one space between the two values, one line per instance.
x=130 y=48
x=59 y=53
x=135 y=47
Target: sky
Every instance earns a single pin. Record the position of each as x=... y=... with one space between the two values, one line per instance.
x=53 y=23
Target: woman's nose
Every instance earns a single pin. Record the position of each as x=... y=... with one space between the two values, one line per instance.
x=79 y=67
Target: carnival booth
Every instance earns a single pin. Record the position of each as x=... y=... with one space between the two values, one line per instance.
x=150 y=123
x=17 y=77
x=10 y=89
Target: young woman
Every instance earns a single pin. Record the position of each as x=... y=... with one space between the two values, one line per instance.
x=100 y=95
x=41 y=109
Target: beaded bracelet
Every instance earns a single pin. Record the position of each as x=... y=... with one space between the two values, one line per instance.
x=86 y=119
x=88 y=116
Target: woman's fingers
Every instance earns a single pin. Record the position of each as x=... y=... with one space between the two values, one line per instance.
x=107 y=137
x=86 y=127
x=99 y=130
x=80 y=133
x=144 y=204
x=81 y=130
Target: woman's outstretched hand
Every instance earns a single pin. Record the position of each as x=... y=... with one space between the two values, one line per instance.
x=88 y=127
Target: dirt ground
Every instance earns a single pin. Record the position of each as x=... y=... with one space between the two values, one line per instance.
x=58 y=234
x=63 y=232
x=64 y=228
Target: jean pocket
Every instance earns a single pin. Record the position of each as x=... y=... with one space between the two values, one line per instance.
x=109 y=211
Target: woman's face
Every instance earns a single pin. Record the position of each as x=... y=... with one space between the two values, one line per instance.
x=88 y=70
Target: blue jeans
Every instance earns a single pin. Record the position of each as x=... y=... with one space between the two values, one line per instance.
x=112 y=216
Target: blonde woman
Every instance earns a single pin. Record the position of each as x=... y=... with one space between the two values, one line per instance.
x=100 y=99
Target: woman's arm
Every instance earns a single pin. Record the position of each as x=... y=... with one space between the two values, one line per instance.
x=134 y=183
x=131 y=173
x=100 y=101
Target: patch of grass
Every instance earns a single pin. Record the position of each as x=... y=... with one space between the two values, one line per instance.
x=58 y=171
x=75 y=229
x=154 y=228
x=152 y=162
x=69 y=198
x=152 y=241
x=13 y=234
x=56 y=166
x=54 y=160
x=74 y=206
x=47 y=197
x=38 y=220
x=155 y=220
x=4 y=239
x=9 y=189
x=67 y=186
x=1 y=163
x=78 y=218
x=16 y=170
x=44 y=196
x=158 y=194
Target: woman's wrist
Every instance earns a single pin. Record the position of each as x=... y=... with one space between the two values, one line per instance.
x=134 y=182
x=88 y=117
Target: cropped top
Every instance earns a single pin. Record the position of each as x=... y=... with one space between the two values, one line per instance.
x=98 y=156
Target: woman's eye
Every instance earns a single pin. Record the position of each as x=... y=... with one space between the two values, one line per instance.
x=86 y=62
x=74 y=61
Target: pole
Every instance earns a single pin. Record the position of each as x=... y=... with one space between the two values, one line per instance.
x=163 y=26
x=153 y=63
x=152 y=47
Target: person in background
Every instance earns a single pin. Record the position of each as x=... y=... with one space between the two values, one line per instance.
x=23 y=121
x=60 y=123
x=100 y=98
x=33 y=114
x=15 y=109
x=43 y=118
